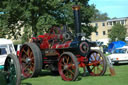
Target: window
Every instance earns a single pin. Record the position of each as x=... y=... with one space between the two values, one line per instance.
x=114 y=22
x=122 y=22
x=96 y=24
x=109 y=31
x=110 y=23
x=96 y=33
x=104 y=33
x=103 y=24
x=120 y=51
x=3 y=51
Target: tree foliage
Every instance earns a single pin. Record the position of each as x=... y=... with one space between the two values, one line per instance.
x=39 y=15
x=118 y=32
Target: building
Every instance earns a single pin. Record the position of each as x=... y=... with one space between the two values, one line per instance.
x=103 y=27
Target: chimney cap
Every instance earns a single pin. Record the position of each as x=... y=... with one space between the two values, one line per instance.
x=76 y=7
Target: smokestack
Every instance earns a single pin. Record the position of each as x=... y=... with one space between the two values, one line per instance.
x=76 y=10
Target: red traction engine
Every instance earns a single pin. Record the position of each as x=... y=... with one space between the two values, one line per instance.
x=59 y=52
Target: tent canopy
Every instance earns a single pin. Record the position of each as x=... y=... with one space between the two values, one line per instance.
x=114 y=45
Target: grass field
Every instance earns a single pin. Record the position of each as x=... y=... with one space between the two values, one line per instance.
x=46 y=78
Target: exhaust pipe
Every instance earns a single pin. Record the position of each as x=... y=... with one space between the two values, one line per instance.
x=76 y=11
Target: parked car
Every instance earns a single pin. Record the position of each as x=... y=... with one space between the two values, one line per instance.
x=119 y=55
x=96 y=46
x=6 y=47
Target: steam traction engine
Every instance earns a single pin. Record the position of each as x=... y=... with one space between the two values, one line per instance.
x=59 y=52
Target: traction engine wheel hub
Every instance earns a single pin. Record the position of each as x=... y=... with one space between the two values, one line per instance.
x=28 y=60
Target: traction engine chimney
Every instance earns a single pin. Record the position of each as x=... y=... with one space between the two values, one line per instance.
x=76 y=10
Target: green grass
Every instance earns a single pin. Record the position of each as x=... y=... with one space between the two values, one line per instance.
x=46 y=78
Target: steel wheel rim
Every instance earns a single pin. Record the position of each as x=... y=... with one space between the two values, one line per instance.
x=27 y=61
x=11 y=76
x=67 y=68
x=98 y=64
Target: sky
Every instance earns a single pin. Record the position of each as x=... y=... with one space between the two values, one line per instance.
x=114 y=8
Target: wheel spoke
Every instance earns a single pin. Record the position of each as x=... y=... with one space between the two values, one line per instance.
x=99 y=68
x=101 y=61
x=31 y=67
x=67 y=59
x=26 y=66
x=28 y=52
x=64 y=61
x=92 y=68
x=94 y=56
x=91 y=58
x=99 y=58
x=71 y=71
x=25 y=52
x=31 y=54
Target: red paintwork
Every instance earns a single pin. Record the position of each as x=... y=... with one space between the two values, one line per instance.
x=63 y=45
x=46 y=44
x=18 y=53
x=82 y=60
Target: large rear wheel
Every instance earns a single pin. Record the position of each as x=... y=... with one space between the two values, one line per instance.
x=68 y=66
x=12 y=70
x=97 y=63
x=30 y=59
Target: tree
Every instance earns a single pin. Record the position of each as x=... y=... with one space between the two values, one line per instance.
x=2 y=25
x=98 y=15
x=39 y=15
x=118 y=32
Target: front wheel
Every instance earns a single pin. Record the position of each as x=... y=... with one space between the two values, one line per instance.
x=68 y=66
x=97 y=63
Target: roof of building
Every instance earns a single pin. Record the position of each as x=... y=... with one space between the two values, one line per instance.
x=110 y=20
x=117 y=19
